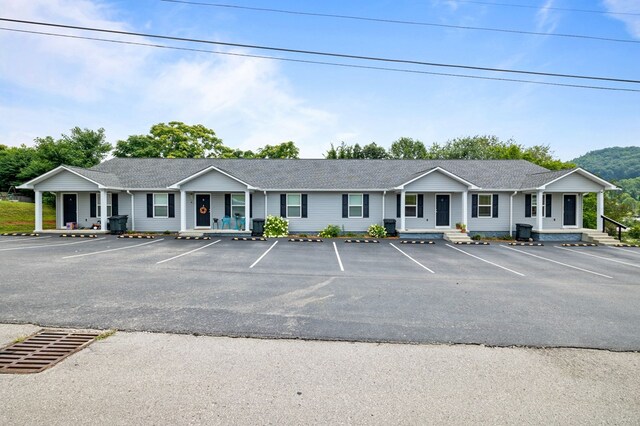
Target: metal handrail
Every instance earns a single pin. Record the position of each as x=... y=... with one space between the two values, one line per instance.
x=620 y=226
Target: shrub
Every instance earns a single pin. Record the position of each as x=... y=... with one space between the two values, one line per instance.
x=476 y=237
x=634 y=231
x=377 y=231
x=276 y=226
x=331 y=231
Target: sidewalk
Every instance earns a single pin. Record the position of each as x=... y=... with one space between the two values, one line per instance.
x=143 y=378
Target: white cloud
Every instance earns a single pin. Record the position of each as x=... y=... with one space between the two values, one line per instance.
x=632 y=22
x=546 y=18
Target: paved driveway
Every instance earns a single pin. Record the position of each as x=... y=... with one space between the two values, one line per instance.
x=496 y=294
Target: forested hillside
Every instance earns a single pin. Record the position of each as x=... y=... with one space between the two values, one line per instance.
x=612 y=164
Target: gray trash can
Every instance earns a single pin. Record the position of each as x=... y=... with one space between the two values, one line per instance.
x=118 y=224
x=390 y=227
x=523 y=231
x=258 y=227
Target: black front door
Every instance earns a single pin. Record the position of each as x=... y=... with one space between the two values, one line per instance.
x=69 y=207
x=442 y=210
x=570 y=210
x=203 y=210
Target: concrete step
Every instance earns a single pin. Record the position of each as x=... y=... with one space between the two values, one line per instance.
x=457 y=237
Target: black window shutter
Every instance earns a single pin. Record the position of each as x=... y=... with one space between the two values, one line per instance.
x=172 y=205
x=495 y=205
x=114 y=204
x=548 y=204
x=474 y=205
x=365 y=205
x=92 y=205
x=398 y=205
x=227 y=205
x=345 y=205
x=304 y=205
x=420 y=205
x=149 y=205
x=527 y=205
x=250 y=205
x=283 y=205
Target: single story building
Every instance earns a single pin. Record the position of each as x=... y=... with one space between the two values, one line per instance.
x=426 y=197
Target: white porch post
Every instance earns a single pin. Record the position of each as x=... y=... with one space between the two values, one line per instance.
x=600 y=210
x=133 y=211
x=465 y=214
x=38 y=211
x=183 y=210
x=266 y=206
x=384 y=196
x=103 y=209
x=247 y=198
x=539 y=213
x=402 y=201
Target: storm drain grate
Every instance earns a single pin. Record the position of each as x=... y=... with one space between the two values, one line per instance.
x=42 y=350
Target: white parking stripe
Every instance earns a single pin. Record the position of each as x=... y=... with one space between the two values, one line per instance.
x=632 y=251
x=53 y=245
x=263 y=255
x=559 y=263
x=411 y=258
x=17 y=240
x=485 y=260
x=189 y=252
x=635 y=265
x=115 y=249
x=335 y=247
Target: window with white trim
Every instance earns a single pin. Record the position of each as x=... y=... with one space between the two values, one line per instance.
x=355 y=205
x=237 y=205
x=534 y=205
x=485 y=205
x=294 y=205
x=161 y=205
x=411 y=205
x=108 y=205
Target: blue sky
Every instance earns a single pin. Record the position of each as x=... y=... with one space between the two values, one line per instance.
x=49 y=85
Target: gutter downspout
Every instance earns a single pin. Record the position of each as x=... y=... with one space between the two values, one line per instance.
x=511 y=213
x=133 y=211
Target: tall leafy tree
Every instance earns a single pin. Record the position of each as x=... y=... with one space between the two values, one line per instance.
x=357 y=152
x=12 y=162
x=284 y=150
x=173 y=140
x=408 y=149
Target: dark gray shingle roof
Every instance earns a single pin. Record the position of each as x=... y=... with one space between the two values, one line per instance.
x=156 y=173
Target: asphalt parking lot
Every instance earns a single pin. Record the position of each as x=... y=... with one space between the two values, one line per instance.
x=495 y=294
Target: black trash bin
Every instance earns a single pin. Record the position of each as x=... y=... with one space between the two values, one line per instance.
x=523 y=231
x=390 y=227
x=118 y=224
x=258 y=227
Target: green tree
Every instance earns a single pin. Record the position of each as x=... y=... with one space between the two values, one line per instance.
x=408 y=149
x=613 y=163
x=283 y=150
x=371 y=151
x=12 y=162
x=173 y=140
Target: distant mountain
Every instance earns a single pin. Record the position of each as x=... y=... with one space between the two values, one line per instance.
x=612 y=163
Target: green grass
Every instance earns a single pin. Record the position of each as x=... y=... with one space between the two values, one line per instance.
x=20 y=217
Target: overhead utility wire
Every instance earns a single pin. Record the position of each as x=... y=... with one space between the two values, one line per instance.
x=528 y=6
x=245 y=55
x=328 y=54
x=393 y=21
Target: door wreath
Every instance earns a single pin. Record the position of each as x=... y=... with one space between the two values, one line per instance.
x=203 y=210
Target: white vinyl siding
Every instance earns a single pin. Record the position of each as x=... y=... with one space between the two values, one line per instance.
x=65 y=181
x=355 y=206
x=294 y=205
x=435 y=182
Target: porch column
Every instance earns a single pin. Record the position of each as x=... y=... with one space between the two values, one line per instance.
x=266 y=206
x=384 y=197
x=133 y=211
x=183 y=210
x=247 y=199
x=103 y=209
x=600 y=211
x=38 y=211
x=539 y=213
x=402 y=201
x=465 y=214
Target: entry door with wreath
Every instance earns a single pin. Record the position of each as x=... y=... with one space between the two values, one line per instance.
x=203 y=210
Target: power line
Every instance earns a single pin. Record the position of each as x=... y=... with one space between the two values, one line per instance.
x=400 y=22
x=527 y=6
x=322 y=62
x=327 y=54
